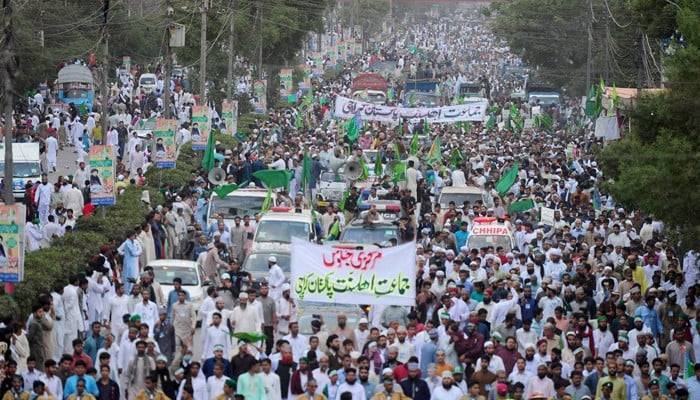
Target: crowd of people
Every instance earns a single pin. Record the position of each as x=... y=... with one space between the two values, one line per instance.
x=596 y=304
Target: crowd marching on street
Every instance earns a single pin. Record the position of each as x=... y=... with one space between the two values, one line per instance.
x=596 y=304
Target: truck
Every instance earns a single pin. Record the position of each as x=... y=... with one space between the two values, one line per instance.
x=491 y=232
x=422 y=93
x=543 y=95
x=76 y=85
x=370 y=87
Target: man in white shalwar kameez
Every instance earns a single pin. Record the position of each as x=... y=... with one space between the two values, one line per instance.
x=245 y=318
x=33 y=235
x=98 y=287
x=42 y=197
x=76 y=131
x=51 y=150
x=73 y=200
x=57 y=332
x=216 y=334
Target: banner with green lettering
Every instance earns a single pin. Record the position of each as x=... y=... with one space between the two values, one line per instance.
x=331 y=274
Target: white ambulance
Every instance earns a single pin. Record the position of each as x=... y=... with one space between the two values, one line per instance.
x=489 y=232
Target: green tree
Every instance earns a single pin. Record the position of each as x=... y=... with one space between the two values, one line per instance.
x=552 y=35
x=655 y=167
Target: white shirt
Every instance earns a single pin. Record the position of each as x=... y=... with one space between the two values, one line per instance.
x=298 y=344
x=358 y=392
x=517 y=376
x=53 y=385
x=215 y=386
x=215 y=335
x=440 y=393
x=148 y=313
x=273 y=388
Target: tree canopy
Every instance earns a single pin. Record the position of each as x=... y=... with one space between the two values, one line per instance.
x=655 y=167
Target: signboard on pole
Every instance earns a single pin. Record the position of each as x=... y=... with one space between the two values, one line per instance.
x=165 y=147
x=229 y=114
x=260 y=95
x=102 y=166
x=201 y=127
x=329 y=274
x=12 y=218
x=286 y=82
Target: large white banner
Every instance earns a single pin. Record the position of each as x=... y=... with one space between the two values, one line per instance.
x=348 y=276
x=347 y=108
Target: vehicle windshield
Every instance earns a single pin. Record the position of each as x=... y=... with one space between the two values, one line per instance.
x=23 y=169
x=257 y=262
x=75 y=94
x=418 y=99
x=165 y=275
x=495 y=241
x=236 y=205
x=329 y=313
x=460 y=198
x=331 y=177
x=371 y=155
x=148 y=81
x=281 y=231
x=371 y=97
x=375 y=235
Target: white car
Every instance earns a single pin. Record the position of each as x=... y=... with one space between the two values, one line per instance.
x=246 y=201
x=331 y=186
x=275 y=230
x=193 y=280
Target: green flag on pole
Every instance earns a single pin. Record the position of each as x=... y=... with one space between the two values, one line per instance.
x=456 y=158
x=273 y=178
x=435 y=154
x=365 y=171
x=508 y=179
x=208 y=159
x=341 y=203
x=306 y=171
x=521 y=205
x=334 y=231
x=415 y=144
x=399 y=172
x=267 y=203
x=352 y=129
x=378 y=167
x=491 y=122
x=224 y=190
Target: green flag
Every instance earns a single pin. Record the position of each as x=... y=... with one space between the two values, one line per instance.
x=415 y=144
x=521 y=205
x=397 y=152
x=273 y=178
x=208 y=159
x=491 y=122
x=426 y=127
x=341 y=203
x=435 y=154
x=267 y=203
x=365 y=171
x=590 y=109
x=517 y=121
x=399 y=172
x=334 y=231
x=224 y=190
x=456 y=158
x=352 y=129
x=508 y=179
x=378 y=168
x=306 y=171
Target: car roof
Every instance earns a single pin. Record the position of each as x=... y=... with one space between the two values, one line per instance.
x=358 y=222
x=304 y=216
x=246 y=192
x=463 y=189
x=173 y=263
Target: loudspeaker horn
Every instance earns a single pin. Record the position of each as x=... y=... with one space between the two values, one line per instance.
x=353 y=170
x=217 y=176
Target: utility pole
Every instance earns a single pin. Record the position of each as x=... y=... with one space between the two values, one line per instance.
x=606 y=43
x=589 y=56
x=9 y=73
x=203 y=53
x=260 y=38
x=231 y=32
x=168 y=65
x=105 y=69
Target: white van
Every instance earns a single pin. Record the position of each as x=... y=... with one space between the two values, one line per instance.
x=148 y=82
x=247 y=201
x=278 y=226
x=489 y=232
x=25 y=157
